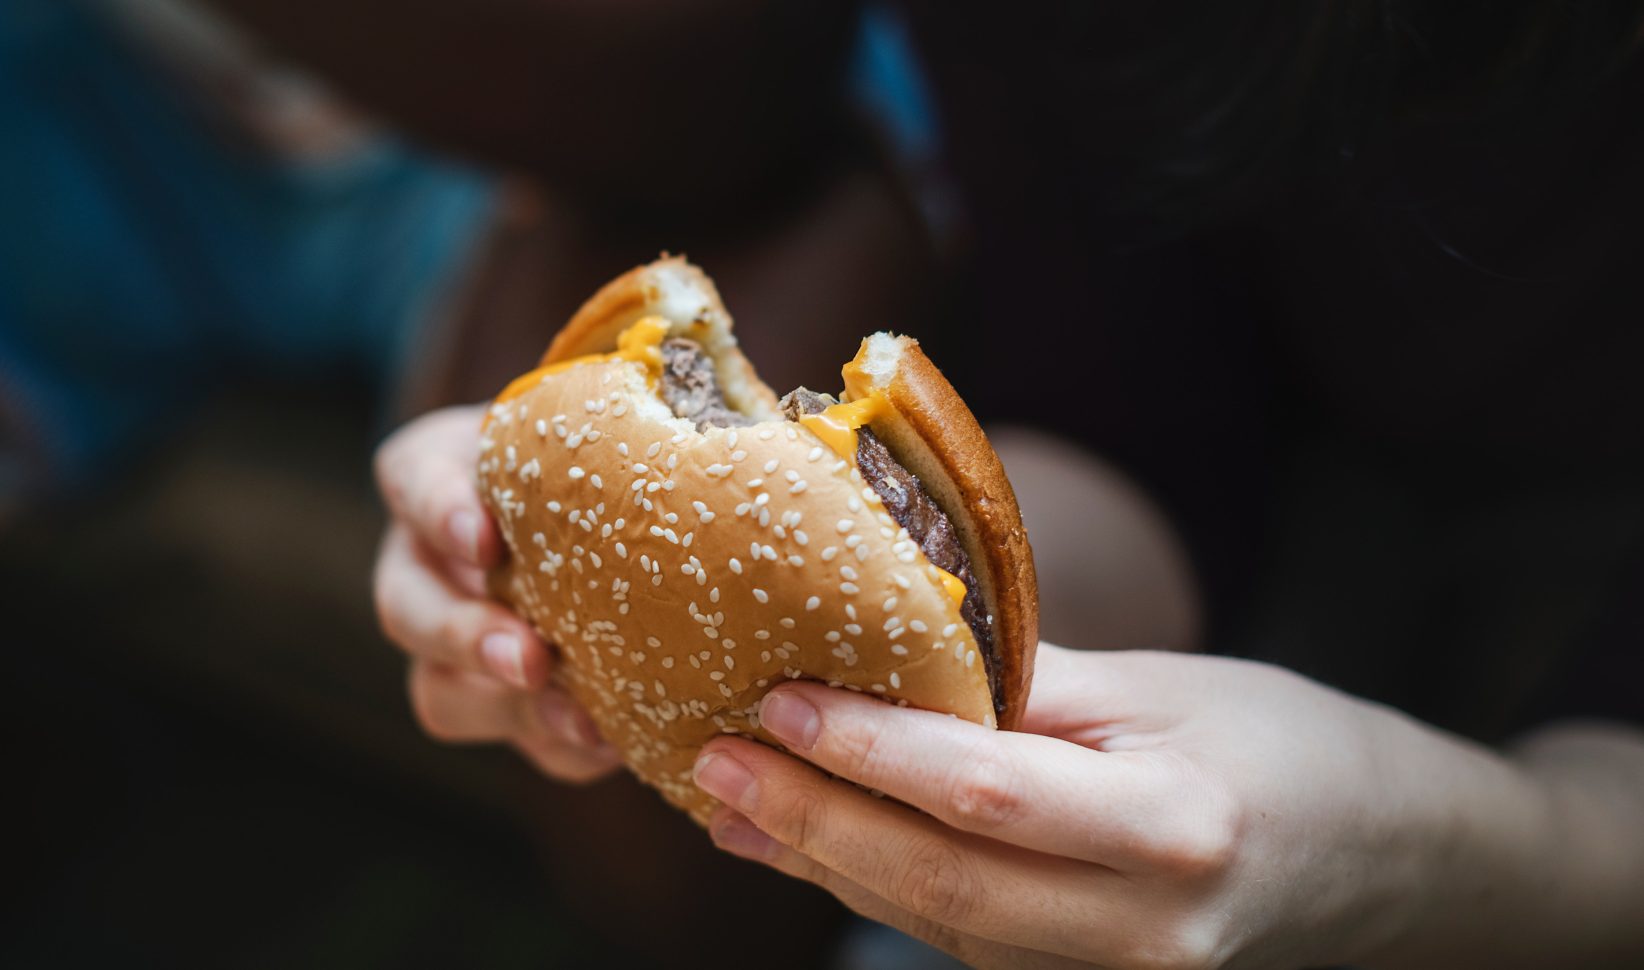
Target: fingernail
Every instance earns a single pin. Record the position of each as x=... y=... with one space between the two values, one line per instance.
x=793 y=719
x=464 y=526
x=738 y=836
x=505 y=655
x=727 y=779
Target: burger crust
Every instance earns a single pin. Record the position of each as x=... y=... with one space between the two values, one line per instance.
x=934 y=435
x=673 y=288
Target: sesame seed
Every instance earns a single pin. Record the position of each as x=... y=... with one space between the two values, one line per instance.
x=542 y=428
x=847 y=572
x=849 y=589
x=667 y=663
x=651 y=487
x=713 y=595
x=651 y=452
x=656 y=531
x=761 y=595
x=854 y=504
x=622 y=448
x=813 y=603
x=622 y=550
x=686 y=540
x=852 y=541
x=764 y=518
x=672 y=518
x=718 y=470
x=554 y=507
x=798 y=487
x=800 y=537
x=596 y=480
x=742 y=508
x=762 y=634
x=755 y=482
x=753 y=551
x=901 y=581
x=829 y=553
x=895 y=679
x=576 y=472
x=766 y=434
x=736 y=566
x=796 y=561
x=815 y=453
x=897 y=632
x=787 y=622
x=597 y=561
x=768 y=553
x=917 y=626
x=862 y=553
x=832 y=636
x=770 y=466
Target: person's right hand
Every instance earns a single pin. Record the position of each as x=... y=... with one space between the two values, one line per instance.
x=478 y=672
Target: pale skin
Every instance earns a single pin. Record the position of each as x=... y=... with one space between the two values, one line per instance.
x=1155 y=810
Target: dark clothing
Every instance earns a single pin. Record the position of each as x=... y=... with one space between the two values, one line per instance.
x=1389 y=392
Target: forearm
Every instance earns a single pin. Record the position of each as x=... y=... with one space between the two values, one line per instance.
x=1535 y=858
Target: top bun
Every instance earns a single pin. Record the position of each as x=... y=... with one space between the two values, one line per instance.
x=682 y=573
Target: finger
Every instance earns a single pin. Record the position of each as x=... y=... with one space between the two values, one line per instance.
x=1040 y=793
x=564 y=744
x=734 y=833
x=426 y=474
x=971 y=884
x=458 y=706
x=427 y=616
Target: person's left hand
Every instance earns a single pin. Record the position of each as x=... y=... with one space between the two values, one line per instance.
x=1166 y=811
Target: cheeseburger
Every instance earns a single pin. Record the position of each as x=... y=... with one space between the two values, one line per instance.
x=686 y=539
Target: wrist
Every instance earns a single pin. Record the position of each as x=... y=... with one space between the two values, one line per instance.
x=1528 y=859
x=1467 y=837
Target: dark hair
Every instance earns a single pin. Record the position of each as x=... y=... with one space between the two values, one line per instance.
x=1235 y=98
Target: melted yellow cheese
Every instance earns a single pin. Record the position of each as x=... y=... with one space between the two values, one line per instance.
x=640 y=343
x=951 y=584
x=836 y=425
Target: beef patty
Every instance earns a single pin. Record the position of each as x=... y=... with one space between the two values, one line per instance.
x=690 y=387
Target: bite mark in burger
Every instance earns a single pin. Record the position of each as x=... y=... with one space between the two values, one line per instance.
x=687 y=541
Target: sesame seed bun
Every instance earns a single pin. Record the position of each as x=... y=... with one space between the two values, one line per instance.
x=682 y=573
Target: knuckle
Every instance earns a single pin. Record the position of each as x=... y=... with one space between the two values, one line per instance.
x=858 y=750
x=1203 y=839
x=938 y=884
x=453 y=632
x=799 y=818
x=986 y=795
x=1180 y=944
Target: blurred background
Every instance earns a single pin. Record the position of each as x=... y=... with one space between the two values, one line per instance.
x=1352 y=302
